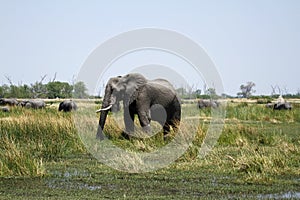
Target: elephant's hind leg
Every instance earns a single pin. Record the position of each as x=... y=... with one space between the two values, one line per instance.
x=166 y=128
x=171 y=123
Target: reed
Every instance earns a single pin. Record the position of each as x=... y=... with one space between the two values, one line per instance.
x=31 y=137
x=256 y=142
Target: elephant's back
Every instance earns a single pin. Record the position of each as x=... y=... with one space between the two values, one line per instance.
x=160 y=92
x=162 y=83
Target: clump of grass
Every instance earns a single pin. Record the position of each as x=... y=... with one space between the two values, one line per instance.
x=16 y=161
x=253 y=112
x=258 y=157
x=29 y=137
x=261 y=163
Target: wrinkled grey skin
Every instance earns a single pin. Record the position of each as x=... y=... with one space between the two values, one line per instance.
x=34 y=103
x=5 y=109
x=207 y=103
x=8 y=102
x=148 y=99
x=67 y=106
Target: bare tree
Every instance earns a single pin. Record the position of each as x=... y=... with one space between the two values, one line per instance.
x=285 y=90
x=38 y=89
x=54 y=78
x=43 y=78
x=298 y=92
x=277 y=90
x=190 y=90
x=273 y=90
x=9 y=80
x=73 y=80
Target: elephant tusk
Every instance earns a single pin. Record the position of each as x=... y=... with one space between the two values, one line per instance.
x=104 y=109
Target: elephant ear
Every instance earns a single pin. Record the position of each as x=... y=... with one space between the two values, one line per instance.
x=109 y=89
x=133 y=83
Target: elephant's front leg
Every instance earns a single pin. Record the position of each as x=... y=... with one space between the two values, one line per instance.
x=129 y=119
x=144 y=118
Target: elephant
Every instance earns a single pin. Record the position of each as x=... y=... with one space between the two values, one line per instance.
x=9 y=102
x=67 y=106
x=205 y=103
x=35 y=104
x=148 y=99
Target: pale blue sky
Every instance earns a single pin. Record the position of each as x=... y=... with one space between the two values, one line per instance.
x=255 y=41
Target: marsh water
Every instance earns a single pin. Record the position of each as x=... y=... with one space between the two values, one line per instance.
x=82 y=177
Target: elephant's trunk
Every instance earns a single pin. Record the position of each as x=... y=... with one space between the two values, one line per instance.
x=102 y=119
x=104 y=111
x=106 y=105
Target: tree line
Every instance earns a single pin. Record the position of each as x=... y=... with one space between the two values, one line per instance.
x=57 y=89
x=246 y=91
x=50 y=90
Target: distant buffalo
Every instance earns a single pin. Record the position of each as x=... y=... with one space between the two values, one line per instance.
x=67 y=106
x=269 y=105
x=279 y=106
x=35 y=104
x=282 y=106
x=206 y=103
x=8 y=102
x=4 y=109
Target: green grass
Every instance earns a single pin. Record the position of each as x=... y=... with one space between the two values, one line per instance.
x=257 y=154
x=31 y=137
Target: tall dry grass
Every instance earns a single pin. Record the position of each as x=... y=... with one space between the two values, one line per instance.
x=29 y=138
x=256 y=142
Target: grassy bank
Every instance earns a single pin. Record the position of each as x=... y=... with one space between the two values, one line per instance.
x=257 y=155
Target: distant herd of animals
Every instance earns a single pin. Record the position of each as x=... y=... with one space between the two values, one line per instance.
x=280 y=104
x=6 y=103
x=69 y=105
x=155 y=100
